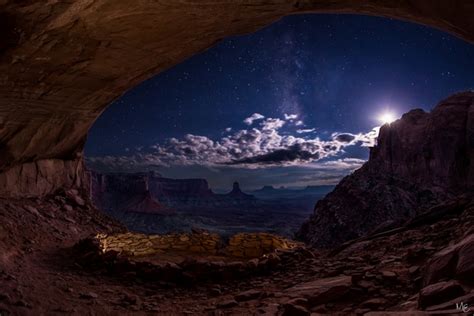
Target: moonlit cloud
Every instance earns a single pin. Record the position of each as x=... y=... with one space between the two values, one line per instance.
x=254 y=117
x=272 y=124
x=350 y=164
x=299 y=123
x=344 y=138
x=307 y=130
x=293 y=154
x=253 y=148
x=363 y=139
x=290 y=116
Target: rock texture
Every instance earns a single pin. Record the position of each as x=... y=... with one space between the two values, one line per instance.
x=322 y=290
x=41 y=177
x=125 y=192
x=43 y=273
x=419 y=160
x=456 y=261
x=62 y=63
x=187 y=258
x=243 y=245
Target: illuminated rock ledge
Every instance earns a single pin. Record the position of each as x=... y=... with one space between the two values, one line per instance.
x=243 y=245
x=187 y=257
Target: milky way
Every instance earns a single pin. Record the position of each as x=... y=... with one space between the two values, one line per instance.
x=293 y=104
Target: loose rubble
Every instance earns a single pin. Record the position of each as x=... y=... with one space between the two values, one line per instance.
x=416 y=268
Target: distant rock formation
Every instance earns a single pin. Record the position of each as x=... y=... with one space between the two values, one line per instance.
x=420 y=159
x=151 y=193
x=266 y=189
x=126 y=192
x=145 y=203
x=237 y=194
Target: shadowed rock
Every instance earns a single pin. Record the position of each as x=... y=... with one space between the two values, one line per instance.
x=322 y=290
x=419 y=160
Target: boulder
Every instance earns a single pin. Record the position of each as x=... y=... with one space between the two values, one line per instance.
x=247 y=295
x=294 y=310
x=465 y=299
x=465 y=264
x=88 y=295
x=456 y=261
x=374 y=303
x=389 y=275
x=437 y=293
x=227 y=303
x=322 y=290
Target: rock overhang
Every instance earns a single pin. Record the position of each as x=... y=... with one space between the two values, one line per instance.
x=62 y=64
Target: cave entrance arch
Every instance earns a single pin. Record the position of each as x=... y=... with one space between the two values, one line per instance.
x=280 y=36
x=62 y=64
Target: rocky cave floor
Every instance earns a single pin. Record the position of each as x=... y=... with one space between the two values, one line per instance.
x=426 y=265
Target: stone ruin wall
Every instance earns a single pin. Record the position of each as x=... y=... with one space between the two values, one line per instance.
x=242 y=245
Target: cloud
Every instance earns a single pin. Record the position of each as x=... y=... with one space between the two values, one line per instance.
x=344 y=138
x=262 y=146
x=365 y=140
x=294 y=153
x=228 y=129
x=272 y=124
x=299 y=123
x=316 y=173
x=290 y=116
x=307 y=130
x=340 y=164
x=254 y=117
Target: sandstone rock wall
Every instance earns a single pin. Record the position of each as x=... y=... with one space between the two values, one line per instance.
x=135 y=244
x=63 y=62
x=244 y=245
x=419 y=160
x=42 y=177
x=432 y=150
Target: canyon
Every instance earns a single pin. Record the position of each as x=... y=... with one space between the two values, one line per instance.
x=393 y=238
x=114 y=191
x=151 y=203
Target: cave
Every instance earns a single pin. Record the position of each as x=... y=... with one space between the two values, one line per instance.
x=78 y=54
x=63 y=63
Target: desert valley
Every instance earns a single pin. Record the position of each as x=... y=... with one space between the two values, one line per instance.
x=150 y=203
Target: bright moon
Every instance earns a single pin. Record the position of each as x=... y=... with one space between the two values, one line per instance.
x=387 y=118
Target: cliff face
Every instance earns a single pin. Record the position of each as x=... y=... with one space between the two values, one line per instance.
x=145 y=203
x=433 y=150
x=125 y=192
x=421 y=159
x=143 y=192
x=169 y=189
x=42 y=177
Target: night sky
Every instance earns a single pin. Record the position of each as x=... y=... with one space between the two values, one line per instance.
x=294 y=104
